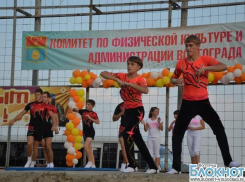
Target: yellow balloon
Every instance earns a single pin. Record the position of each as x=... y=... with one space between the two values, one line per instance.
x=170 y=74
x=165 y=80
x=75 y=131
x=69 y=126
x=82 y=99
x=78 y=146
x=79 y=80
x=80 y=92
x=116 y=85
x=87 y=77
x=210 y=77
x=159 y=83
x=78 y=139
x=72 y=80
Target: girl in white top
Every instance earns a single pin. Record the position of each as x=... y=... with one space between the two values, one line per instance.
x=194 y=138
x=154 y=125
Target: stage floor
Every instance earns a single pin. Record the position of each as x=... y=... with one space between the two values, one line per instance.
x=87 y=176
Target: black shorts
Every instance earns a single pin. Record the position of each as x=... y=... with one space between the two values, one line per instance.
x=90 y=133
x=48 y=134
x=36 y=132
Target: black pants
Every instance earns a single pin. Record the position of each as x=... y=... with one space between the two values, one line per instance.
x=188 y=110
x=132 y=134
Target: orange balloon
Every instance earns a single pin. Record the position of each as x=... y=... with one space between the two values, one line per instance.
x=67 y=132
x=83 y=73
x=73 y=92
x=93 y=76
x=79 y=155
x=110 y=82
x=150 y=81
x=165 y=72
x=71 y=116
x=76 y=98
x=80 y=133
x=215 y=81
x=148 y=75
x=84 y=84
x=80 y=104
x=70 y=138
x=69 y=157
x=218 y=75
x=69 y=163
x=144 y=75
x=76 y=121
x=105 y=85
x=238 y=80
x=76 y=73
x=243 y=77
x=238 y=66
x=230 y=69
x=90 y=82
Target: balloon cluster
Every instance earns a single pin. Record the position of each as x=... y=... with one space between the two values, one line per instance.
x=158 y=79
x=73 y=128
x=84 y=78
x=234 y=73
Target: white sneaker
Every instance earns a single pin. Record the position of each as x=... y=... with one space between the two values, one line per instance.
x=123 y=167
x=234 y=164
x=47 y=166
x=28 y=163
x=89 y=165
x=33 y=164
x=173 y=171
x=51 y=165
x=93 y=166
x=152 y=171
x=130 y=170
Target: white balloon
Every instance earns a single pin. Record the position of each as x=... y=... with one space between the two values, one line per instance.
x=154 y=74
x=67 y=145
x=78 y=116
x=243 y=68
x=74 y=161
x=71 y=99
x=95 y=85
x=229 y=76
x=79 y=126
x=98 y=81
x=71 y=150
x=71 y=104
x=224 y=80
x=160 y=74
x=102 y=78
x=237 y=73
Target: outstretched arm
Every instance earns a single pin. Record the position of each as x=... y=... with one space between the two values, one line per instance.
x=18 y=117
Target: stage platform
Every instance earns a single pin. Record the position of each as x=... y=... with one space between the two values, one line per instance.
x=58 y=169
x=86 y=176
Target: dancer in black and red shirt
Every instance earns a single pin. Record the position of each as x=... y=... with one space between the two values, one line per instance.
x=119 y=113
x=132 y=86
x=88 y=117
x=38 y=111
